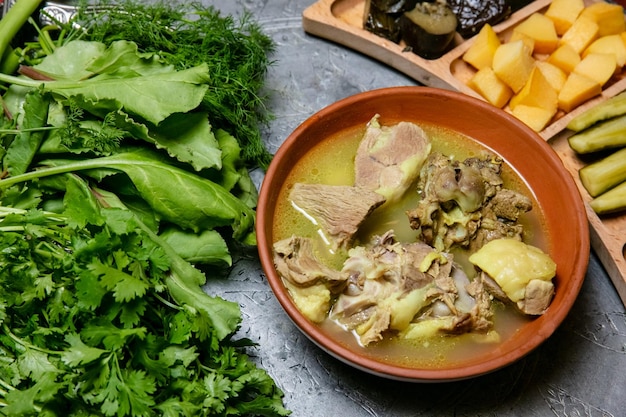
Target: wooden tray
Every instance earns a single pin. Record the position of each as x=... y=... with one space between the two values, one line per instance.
x=341 y=21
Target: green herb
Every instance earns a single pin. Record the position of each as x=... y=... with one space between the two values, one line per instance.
x=102 y=318
x=185 y=35
x=117 y=192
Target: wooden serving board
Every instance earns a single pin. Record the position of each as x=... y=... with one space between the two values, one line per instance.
x=341 y=21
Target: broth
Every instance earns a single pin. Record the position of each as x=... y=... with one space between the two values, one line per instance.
x=332 y=162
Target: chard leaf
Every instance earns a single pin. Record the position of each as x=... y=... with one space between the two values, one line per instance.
x=186 y=137
x=149 y=90
x=80 y=60
x=189 y=138
x=231 y=159
x=70 y=61
x=80 y=205
x=207 y=247
x=181 y=197
x=123 y=57
x=153 y=97
x=22 y=149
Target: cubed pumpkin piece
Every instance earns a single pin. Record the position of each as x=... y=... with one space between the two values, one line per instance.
x=563 y=13
x=541 y=29
x=536 y=118
x=555 y=75
x=480 y=53
x=565 y=57
x=580 y=35
x=486 y=83
x=609 y=44
x=513 y=63
x=608 y=16
x=537 y=92
x=577 y=89
x=599 y=67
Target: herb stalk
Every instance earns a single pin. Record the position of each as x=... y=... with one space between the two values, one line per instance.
x=13 y=21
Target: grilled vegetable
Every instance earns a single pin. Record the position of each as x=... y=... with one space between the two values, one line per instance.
x=394 y=7
x=605 y=173
x=428 y=29
x=380 y=23
x=381 y=17
x=612 y=201
x=474 y=14
x=605 y=135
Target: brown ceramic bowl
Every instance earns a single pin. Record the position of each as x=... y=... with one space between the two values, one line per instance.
x=534 y=160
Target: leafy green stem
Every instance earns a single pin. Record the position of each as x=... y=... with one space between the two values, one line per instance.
x=47 y=85
x=12 y=22
x=26 y=344
x=7 y=386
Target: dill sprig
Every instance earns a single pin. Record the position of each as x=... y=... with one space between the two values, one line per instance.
x=185 y=35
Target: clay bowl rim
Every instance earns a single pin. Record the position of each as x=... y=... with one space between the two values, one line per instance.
x=569 y=281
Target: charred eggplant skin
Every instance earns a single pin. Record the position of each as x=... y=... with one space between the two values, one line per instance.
x=428 y=29
x=380 y=23
x=474 y=14
x=381 y=17
x=396 y=7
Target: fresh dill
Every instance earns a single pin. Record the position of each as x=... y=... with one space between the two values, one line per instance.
x=185 y=35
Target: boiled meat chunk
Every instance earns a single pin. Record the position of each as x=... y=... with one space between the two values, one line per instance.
x=464 y=203
x=310 y=282
x=389 y=158
x=392 y=285
x=499 y=218
x=294 y=261
x=338 y=210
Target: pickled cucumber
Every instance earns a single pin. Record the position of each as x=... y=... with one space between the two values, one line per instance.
x=613 y=107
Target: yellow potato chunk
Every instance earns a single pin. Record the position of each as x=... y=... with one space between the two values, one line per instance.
x=563 y=13
x=529 y=42
x=480 y=53
x=577 y=89
x=609 y=44
x=555 y=75
x=599 y=67
x=513 y=264
x=580 y=35
x=609 y=17
x=534 y=117
x=541 y=29
x=486 y=83
x=313 y=301
x=565 y=57
x=513 y=63
x=537 y=92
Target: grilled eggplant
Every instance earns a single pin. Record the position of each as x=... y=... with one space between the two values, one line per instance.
x=381 y=17
x=428 y=29
x=472 y=15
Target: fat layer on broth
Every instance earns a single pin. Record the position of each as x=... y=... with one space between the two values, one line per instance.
x=332 y=162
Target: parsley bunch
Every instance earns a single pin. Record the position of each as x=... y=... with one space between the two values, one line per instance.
x=89 y=326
